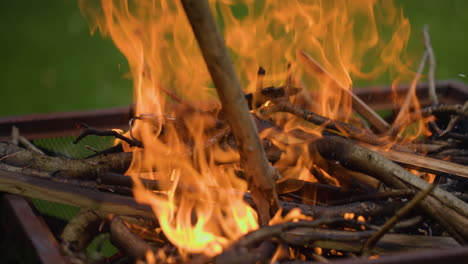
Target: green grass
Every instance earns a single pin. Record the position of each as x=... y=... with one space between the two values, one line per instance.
x=51 y=63
x=449 y=33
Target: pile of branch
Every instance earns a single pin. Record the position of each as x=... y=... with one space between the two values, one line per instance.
x=365 y=200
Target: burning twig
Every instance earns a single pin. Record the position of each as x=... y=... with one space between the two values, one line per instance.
x=361 y=107
x=260 y=76
x=254 y=238
x=260 y=175
x=454 y=119
x=370 y=243
x=347 y=129
x=399 y=120
x=432 y=65
x=105 y=133
x=423 y=163
x=456 y=110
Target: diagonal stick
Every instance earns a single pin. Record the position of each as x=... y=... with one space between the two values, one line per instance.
x=260 y=175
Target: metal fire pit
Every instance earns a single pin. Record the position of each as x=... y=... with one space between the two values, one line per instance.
x=25 y=238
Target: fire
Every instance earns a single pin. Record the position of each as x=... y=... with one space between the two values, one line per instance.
x=201 y=209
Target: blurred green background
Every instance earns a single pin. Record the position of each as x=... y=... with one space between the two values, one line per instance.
x=51 y=63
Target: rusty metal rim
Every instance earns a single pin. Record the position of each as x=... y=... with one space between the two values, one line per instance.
x=67 y=123
x=40 y=238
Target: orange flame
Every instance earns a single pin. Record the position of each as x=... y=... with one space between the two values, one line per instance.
x=201 y=207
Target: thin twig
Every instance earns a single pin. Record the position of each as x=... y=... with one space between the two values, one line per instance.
x=347 y=129
x=454 y=119
x=361 y=107
x=432 y=66
x=370 y=243
x=96 y=132
x=267 y=232
x=455 y=109
x=16 y=138
x=375 y=196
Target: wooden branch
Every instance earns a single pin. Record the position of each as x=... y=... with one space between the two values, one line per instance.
x=361 y=107
x=123 y=238
x=373 y=163
x=239 y=252
x=64 y=167
x=358 y=158
x=365 y=209
x=260 y=175
x=422 y=163
x=268 y=232
x=391 y=243
x=381 y=195
x=34 y=187
x=454 y=119
x=304 y=236
x=347 y=129
x=106 y=133
x=78 y=233
x=432 y=65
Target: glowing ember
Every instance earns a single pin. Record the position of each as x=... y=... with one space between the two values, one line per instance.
x=204 y=211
